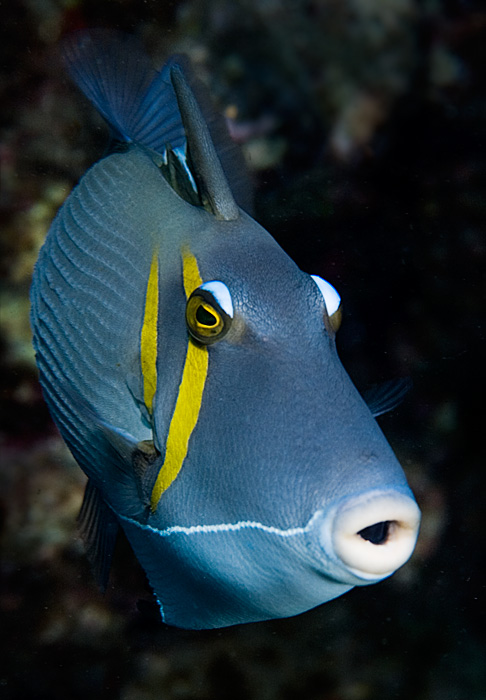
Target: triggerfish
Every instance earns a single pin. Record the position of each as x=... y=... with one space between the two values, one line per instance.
x=191 y=368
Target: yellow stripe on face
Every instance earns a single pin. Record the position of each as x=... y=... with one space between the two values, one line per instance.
x=189 y=398
x=148 y=342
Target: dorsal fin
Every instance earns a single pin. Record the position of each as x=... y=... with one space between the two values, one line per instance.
x=116 y=75
x=229 y=153
x=204 y=162
x=140 y=105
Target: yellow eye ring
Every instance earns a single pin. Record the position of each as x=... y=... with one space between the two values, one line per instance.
x=335 y=319
x=206 y=320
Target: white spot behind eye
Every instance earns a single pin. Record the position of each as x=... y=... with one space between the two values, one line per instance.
x=222 y=295
x=331 y=297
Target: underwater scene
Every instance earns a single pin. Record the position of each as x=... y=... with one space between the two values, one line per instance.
x=242 y=305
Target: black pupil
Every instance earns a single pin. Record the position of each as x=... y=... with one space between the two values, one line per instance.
x=377 y=533
x=205 y=317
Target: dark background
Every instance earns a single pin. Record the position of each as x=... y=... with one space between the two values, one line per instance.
x=364 y=123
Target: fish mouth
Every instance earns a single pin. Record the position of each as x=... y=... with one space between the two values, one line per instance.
x=373 y=534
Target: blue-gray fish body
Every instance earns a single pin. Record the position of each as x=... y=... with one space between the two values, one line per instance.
x=191 y=368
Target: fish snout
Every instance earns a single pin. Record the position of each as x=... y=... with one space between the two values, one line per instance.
x=373 y=534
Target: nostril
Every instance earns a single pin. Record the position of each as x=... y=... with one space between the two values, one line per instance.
x=377 y=533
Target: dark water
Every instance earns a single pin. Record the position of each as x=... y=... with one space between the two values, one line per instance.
x=365 y=125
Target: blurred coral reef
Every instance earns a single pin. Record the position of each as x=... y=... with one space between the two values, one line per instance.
x=363 y=124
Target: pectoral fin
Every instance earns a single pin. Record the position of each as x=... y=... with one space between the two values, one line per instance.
x=387 y=396
x=98 y=528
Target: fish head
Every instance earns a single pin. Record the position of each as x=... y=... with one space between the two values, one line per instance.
x=287 y=476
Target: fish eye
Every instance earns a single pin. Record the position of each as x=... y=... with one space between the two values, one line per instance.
x=209 y=312
x=332 y=301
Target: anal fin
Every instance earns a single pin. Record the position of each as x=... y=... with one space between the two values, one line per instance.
x=98 y=528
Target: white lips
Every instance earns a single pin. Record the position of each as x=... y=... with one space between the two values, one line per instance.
x=390 y=522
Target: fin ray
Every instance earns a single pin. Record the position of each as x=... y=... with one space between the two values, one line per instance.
x=206 y=166
x=98 y=528
x=229 y=153
x=116 y=75
x=387 y=396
